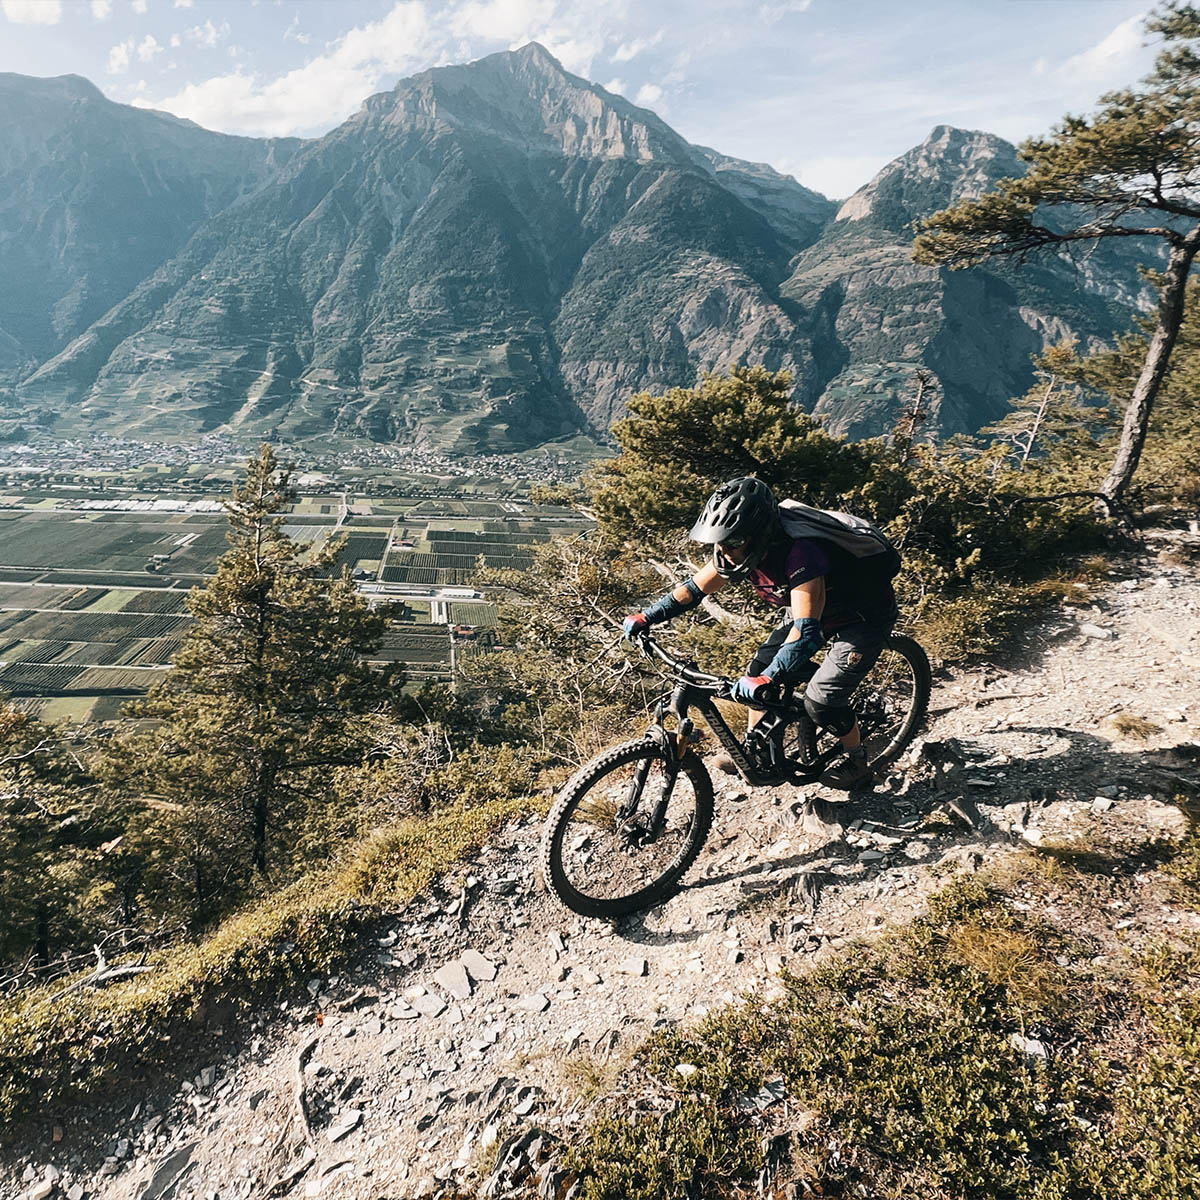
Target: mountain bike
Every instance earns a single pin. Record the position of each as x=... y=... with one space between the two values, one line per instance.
x=627 y=826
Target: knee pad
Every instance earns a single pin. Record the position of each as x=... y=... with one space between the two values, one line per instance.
x=838 y=720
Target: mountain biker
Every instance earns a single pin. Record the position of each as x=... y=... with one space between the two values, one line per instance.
x=827 y=593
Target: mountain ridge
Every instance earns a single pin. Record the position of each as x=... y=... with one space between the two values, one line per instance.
x=498 y=253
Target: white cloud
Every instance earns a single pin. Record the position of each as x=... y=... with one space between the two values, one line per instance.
x=208 y=34
x=119 y=56
x=176 y=41
x=138 y=6
x=32 y=12
x=148 y=48
x=514 y=21
x=576 y=52
x=327 y=88
x=771 y=13
x=292 y=32
x=619 y=86
x=627 y=50
x=184 y=3
x=649 y=94
x=101 y=9
x=1104 y=64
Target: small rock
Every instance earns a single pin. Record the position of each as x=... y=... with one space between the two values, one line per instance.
x=111 y=1166
x=52 y=1173
x=453 y=977
x=535 y=1002
x=687 y=1070
x=584 y=975
x=1034 y=837
x=870 y=856
x=916 y=850
x=208 y=1077
x=346 y=1123
x=1030 y=1046
x=430 y=1006
x=41 y=1190
x=979 y=782
x=1101 y=804
x=556 y=941
x=1095 y=631
x=403 y=1012
x=634 y=966
x=480 y=968
x=75 y=1192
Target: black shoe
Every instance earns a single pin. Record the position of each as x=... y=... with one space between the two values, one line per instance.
x=854 y=771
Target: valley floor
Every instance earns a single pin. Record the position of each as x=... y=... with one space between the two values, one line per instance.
x=413 y=1065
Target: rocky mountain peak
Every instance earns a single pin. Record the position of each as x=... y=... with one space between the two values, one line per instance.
x=951 y=164
x=527 y=98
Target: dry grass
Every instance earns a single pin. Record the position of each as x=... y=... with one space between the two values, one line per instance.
x=1130 y=725
x=1006 y=958
x=587 y=1074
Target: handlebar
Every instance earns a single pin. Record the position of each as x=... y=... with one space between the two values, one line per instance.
x=683 y=670
x=772 y=697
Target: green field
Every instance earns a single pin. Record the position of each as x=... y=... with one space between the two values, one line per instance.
x=93 y=603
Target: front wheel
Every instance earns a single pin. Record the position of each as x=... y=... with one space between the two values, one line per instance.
x=890 y=704
x=600 y=855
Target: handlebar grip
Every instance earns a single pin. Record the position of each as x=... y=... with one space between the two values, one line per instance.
x=772 y=693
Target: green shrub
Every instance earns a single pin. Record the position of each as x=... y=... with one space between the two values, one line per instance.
x=907 y=1072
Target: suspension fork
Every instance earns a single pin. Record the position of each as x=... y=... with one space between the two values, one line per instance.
x=674 y=746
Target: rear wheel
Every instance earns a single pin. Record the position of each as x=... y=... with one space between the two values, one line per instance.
x=599 y=856
x=890 y=703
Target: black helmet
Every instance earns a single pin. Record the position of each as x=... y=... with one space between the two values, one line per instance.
x=742 y=512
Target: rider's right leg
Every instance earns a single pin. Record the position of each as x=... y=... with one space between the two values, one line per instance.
x=851 y=653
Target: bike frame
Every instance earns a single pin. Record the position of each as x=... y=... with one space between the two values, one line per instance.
x=696 y=691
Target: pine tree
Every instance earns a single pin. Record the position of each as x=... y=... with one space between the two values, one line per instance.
x=677 y=447
x=1171 y=462
x=267 y=696
x=1130 y=171
x=50 y=823
x=1051 y=418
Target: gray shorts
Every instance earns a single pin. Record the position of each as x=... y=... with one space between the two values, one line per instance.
x=851 y=652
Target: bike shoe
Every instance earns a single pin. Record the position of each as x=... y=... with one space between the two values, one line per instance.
x=854 y=771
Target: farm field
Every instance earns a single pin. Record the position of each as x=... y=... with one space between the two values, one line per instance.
x=93 y=590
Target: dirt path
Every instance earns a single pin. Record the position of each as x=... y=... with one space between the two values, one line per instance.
x=484 y=1007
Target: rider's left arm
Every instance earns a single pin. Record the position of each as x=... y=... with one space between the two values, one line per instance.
x=808 y=600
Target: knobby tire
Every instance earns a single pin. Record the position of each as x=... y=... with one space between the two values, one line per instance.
x=559 y=822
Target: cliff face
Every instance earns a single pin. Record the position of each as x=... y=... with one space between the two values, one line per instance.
x=877 y=317
x=94 y=197
x=485 y=257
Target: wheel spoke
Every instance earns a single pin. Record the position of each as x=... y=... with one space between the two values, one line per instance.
x=604 y=857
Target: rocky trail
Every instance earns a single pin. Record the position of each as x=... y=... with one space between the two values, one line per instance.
x=456 y=1050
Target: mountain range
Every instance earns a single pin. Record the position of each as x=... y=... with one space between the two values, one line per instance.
x=485 y=258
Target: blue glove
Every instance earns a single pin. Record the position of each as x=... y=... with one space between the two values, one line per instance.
x=749 y=689
x=635 y=625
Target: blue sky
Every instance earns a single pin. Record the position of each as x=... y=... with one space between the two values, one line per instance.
x=826 y=90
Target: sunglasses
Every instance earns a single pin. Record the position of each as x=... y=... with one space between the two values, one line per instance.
x=733 y=543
